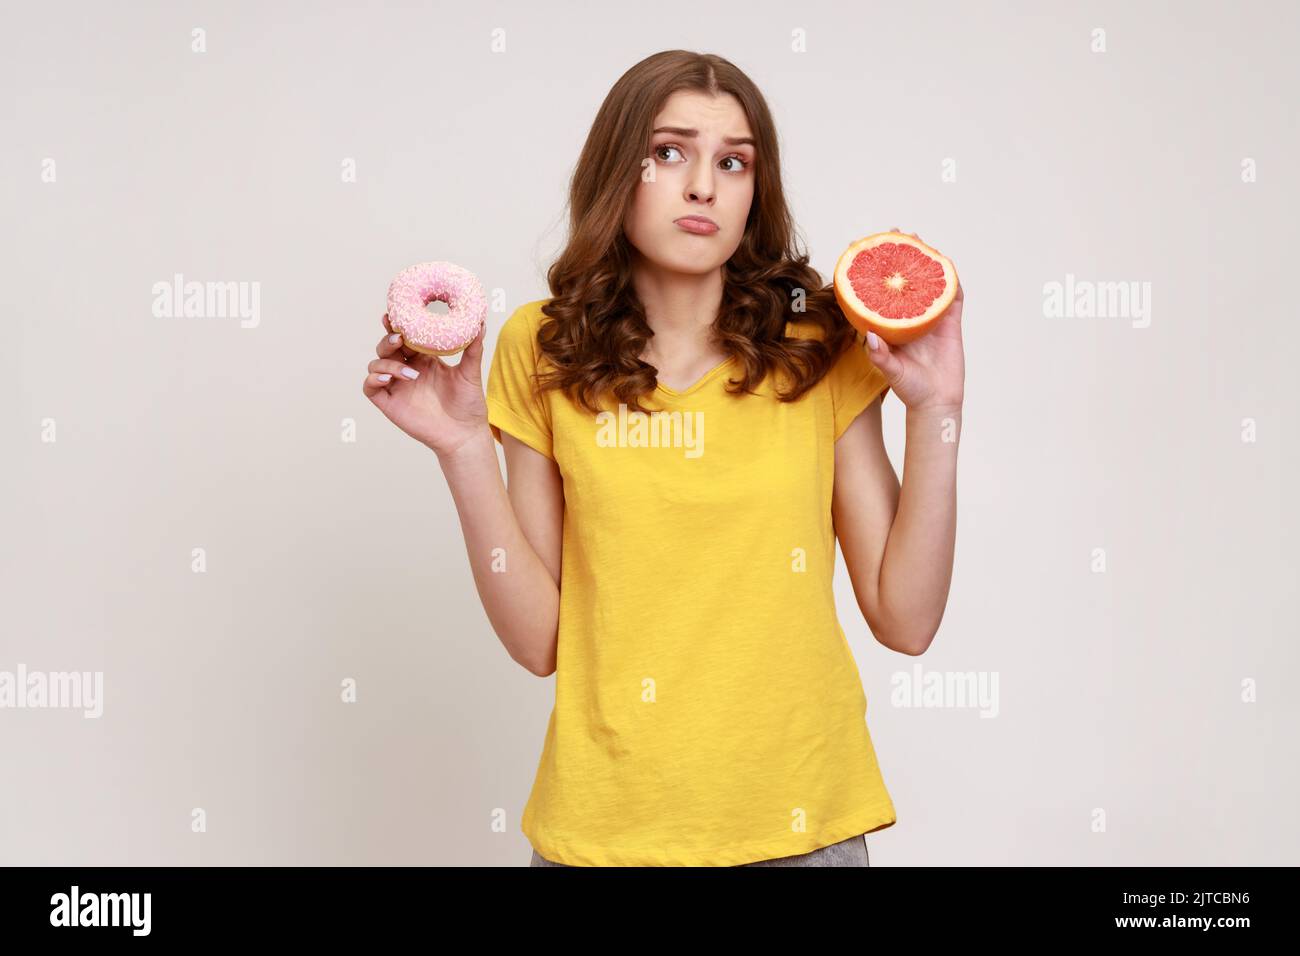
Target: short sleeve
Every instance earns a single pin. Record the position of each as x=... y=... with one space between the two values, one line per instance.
x=855 y=382
x=513 y=405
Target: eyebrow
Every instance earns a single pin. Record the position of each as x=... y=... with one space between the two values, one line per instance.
x=729 y=140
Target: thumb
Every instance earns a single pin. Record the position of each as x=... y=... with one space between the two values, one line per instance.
x=473 y=354
x=883 y=358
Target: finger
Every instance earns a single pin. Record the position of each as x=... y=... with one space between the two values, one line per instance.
x=398 y=370
x=389 y=345
x=883 y=358
x=375 y=387
x=405 y=352
x=474 y=355
x=954 y=308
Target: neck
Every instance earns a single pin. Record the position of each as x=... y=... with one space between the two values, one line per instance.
x=680 y=307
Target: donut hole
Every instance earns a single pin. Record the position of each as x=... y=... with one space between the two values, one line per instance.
x=437 y=307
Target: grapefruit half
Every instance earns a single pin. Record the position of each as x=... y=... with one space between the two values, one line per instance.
x=894 y=285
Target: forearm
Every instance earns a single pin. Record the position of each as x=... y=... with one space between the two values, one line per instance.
x=916 y=570
x=520 y=597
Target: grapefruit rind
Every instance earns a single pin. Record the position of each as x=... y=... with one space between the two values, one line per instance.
x=894 y=331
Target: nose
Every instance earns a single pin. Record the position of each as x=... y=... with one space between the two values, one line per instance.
x=700 y=188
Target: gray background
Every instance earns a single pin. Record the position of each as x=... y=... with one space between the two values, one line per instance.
x=1119 y=691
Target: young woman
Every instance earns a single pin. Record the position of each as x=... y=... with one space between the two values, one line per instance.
x=689 y=423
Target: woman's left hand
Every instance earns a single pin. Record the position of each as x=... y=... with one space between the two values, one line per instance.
x=929 y=372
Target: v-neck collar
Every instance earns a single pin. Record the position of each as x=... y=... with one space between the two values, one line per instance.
x=700 y=382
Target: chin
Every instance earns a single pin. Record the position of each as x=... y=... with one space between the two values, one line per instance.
x=678 y=253
x=695 y=267
x=687 y=259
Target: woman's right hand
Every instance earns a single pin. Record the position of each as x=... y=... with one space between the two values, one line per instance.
x=443 y=406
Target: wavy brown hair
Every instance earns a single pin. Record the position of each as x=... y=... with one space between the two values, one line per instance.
x=597 y=326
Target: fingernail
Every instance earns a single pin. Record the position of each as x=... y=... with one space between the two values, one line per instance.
x=385 y=377
x=873 y=341
x=410 y=372
x=395 y=338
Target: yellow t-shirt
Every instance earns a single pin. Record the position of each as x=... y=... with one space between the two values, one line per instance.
x=708 y=708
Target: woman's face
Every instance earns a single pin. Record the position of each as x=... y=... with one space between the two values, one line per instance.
x=701 y=163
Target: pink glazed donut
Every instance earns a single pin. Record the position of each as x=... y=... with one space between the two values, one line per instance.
x=422 y=330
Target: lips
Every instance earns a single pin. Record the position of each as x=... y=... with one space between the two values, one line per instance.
x=698 y=225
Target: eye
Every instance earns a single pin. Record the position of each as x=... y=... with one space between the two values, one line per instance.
x=659 y=150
